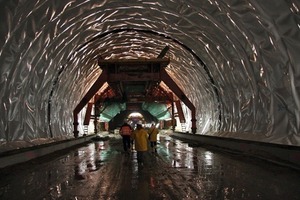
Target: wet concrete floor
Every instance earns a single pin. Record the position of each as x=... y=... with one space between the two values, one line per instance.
x=179 y=170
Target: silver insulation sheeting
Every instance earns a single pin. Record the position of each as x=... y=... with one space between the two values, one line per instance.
x=237 y=61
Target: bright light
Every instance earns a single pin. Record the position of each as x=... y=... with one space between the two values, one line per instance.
x=135 y=115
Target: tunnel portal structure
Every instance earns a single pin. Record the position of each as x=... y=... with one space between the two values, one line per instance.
x=236 y=61
x=125 y=75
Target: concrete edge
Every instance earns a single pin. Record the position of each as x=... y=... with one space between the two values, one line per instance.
x=280 y=154
x=39 y=151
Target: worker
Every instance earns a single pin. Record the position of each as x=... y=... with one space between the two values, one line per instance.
x=140 y=137
x=125 y=132
x=153 y=132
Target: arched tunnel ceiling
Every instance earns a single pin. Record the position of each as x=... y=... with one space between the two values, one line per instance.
x=235 y=60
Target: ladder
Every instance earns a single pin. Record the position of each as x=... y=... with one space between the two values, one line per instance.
x=180 y=112
x=85 y=129
x=183 y=127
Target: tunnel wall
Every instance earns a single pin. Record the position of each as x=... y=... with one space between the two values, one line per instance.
x=237 y=61
x=285 y=155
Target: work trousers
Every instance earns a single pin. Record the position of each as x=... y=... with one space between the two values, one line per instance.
x=126 y=142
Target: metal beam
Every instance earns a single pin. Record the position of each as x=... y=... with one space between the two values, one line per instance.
x=163 y=52
x=178 y=92
x=91 y=92
x=163 y=62
x=122 y=76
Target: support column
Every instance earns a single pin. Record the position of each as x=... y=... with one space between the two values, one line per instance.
x=75 y=124
x=194 y=128
x=95 y=116
x=173 y=117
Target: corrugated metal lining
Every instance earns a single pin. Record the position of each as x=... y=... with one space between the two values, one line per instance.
x=236 y=60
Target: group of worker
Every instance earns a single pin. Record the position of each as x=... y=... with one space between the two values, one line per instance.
x=141 y=137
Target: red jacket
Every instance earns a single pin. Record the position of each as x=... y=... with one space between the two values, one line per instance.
x=125 y=130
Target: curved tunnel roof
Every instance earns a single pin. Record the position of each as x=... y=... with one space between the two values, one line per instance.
x=237 y=61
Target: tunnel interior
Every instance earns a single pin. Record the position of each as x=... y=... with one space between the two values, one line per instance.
x=236 y=61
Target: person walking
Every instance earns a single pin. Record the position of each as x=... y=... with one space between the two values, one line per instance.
x=125 y=132
x=153 y=132
x=140 y=137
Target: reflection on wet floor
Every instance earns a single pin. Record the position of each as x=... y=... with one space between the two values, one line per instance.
x=101 y=170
